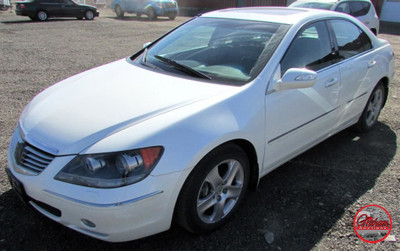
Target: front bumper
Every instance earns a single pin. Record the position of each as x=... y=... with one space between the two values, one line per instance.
x=115 y=215
x=166 y=11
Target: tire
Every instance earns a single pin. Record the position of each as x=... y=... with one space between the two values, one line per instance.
x=41 y=15
x=138 y=14
x=151 y=14
x=89 y=15
x=172 y=16
x=372 y=109
x=213 y=190
x=119 y=11
x=79 y=18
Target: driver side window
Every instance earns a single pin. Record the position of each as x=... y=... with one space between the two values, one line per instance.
x=311 y=49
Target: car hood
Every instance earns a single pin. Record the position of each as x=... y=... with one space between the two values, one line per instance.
x=78 y=112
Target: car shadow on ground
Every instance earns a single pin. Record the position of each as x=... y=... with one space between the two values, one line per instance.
x=297 y=204
x=140 y=19
x=47 y=21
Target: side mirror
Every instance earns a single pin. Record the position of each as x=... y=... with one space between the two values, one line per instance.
x=296 y=78
x=146 y=44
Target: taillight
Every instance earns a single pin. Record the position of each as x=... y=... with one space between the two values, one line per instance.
x=22 y=6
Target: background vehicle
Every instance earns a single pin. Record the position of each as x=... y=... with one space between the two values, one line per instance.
x=5 y=5
x=43 y=9
x=361 y=9
x=151 y=8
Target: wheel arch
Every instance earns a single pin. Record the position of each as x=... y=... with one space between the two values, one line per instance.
x=251 y=153
x=385 y=82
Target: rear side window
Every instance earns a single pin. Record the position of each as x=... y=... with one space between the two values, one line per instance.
x=356 y=8
x=311 y=49
x=343 y=7
x=350 y=38
x=359 y=8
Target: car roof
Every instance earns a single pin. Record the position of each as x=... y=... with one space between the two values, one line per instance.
x=284 y=15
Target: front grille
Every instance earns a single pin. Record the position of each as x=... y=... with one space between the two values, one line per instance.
x=32 y=158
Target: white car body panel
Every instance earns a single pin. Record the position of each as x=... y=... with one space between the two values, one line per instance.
x=189 y=118
x=70 y=132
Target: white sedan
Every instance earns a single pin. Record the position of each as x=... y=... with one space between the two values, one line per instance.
x=180 y=130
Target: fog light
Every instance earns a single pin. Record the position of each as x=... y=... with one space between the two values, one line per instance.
x=88 y=223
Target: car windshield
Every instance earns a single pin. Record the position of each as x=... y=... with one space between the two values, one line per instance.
x=215 y=49
x=313 y=5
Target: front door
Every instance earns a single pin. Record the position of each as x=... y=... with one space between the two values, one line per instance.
x=71 y=9
x=298 y=118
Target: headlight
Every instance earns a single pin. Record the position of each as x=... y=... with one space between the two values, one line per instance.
x=111 y=170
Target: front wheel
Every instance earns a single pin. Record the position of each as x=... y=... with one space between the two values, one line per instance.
x=119 y=11
x=213 y=190
x=151 y=14
x=89 y=15
x=172 y=16
x=372 y=109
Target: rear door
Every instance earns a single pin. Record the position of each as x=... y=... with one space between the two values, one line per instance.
x=52 y=7
x=358 y=68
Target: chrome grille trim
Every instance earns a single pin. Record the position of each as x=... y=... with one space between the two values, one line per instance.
x=31 y=158
x=39 y=153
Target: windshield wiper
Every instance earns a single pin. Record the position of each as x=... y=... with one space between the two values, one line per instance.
x=182 y=67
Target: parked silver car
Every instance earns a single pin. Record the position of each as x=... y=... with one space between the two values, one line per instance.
x=361 y=9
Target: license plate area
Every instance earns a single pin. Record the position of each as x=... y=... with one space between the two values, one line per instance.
x=17 y=186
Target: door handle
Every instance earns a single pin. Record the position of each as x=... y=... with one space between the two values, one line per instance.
x=331 y=82
x=371 y=64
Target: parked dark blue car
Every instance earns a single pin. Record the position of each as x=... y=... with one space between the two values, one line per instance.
x=151 y=8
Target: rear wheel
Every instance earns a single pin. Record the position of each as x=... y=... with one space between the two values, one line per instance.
x=41 y=15
x=213 y=190
x=372 y=109
x=138 y=14
x=119 y=11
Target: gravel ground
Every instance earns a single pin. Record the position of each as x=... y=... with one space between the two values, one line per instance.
x=308 y=203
